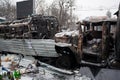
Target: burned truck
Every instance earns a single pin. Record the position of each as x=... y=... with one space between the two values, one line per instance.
x=95 y=43
x=101 y=43
x=31 y=36
x=98 y=42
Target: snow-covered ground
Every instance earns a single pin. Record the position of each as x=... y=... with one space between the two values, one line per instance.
x=43 y=72
x=48 y=72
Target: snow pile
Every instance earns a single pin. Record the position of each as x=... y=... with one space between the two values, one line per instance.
x=67 y=33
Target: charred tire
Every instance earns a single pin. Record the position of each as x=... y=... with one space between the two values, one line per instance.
x=67 y=58
x=66 y=62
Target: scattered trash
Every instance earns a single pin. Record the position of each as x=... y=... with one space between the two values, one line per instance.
x=27 y=69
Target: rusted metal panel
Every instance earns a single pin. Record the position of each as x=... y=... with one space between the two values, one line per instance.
x=39 y=47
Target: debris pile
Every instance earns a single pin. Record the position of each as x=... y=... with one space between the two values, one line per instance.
x=13 y=67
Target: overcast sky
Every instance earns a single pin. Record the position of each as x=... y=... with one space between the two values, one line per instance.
x=85 y=8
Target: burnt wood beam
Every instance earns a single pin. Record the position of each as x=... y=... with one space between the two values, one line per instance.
x=105 y=40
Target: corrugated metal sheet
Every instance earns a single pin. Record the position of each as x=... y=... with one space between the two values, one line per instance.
x=40 y=47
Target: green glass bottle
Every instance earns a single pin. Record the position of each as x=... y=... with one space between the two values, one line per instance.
x=15 y=74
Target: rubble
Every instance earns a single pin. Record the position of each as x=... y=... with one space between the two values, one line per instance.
x=29 y=70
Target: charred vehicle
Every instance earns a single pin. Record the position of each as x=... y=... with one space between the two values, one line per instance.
x=92 y=45
x=95 y=43
x=101 y=43
x=98 y=42
x=31 y=36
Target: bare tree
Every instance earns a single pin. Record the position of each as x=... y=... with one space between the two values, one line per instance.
x=40 y=6
x=62 y=9
x=7 y=9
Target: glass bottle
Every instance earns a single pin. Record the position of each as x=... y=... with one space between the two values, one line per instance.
x=8 y=75
x=12 y=77
x=5 y=76
x=15 y=74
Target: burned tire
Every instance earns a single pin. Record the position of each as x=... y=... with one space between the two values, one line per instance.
x=67 y=60
x=64 y=62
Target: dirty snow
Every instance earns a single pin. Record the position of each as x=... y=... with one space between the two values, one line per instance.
x=45 y=71
x=67 y=33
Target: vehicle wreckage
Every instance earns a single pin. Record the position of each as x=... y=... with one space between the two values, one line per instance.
x=30 y=36
x=101 y=47
x=93 y=44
